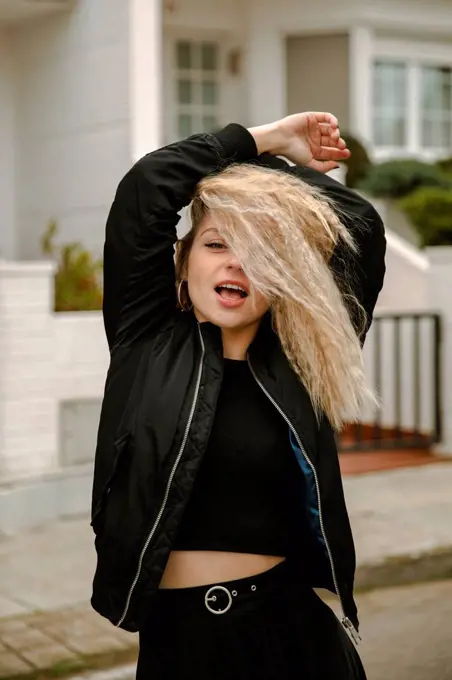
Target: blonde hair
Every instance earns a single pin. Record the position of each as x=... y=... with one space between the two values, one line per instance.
x=283 y=232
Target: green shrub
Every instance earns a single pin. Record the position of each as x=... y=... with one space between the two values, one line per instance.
x=359 y=163
x=77 y=279
x=430 y=211
x=445 y=166
x=398 y=178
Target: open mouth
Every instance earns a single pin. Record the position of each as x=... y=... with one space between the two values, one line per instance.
x=230 y=291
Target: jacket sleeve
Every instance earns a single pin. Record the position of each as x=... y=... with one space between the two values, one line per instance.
x=364 y=271
x=139 y=276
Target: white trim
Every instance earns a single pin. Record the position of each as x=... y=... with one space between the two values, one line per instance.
x=406 y=250
x=413 y=136
x=266 y=73
x=145 y=70
x=361 y=48
x=419 y=51
x=29 y=269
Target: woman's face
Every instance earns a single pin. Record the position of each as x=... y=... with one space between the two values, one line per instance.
x=218 y=288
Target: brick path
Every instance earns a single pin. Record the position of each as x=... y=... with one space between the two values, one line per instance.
x=376 y=461
x=401 y=520
x=63 y=641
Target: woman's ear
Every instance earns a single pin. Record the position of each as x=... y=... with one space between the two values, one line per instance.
x=181 y=260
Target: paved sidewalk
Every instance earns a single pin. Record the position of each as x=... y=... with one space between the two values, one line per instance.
x=402 y=522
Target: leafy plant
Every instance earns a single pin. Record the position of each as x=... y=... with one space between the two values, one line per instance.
x=359 y=163
x=430 y=211
x=445 y=166
x=398 y=178
x=77 y=279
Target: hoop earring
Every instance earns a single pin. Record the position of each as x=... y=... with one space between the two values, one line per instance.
x=179 y=298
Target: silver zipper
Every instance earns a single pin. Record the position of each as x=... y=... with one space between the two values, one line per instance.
x=168 y=486
x=345 y=621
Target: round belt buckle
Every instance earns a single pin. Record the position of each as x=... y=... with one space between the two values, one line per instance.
x=211 y=597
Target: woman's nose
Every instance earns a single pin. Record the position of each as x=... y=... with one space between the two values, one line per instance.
x=233 y=263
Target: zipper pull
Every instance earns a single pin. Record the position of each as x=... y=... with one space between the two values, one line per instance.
x=351 y=630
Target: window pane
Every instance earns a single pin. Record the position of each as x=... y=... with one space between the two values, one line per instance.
x=184 y=55
x=209 y=124
x=185 y=125
x=389 y=103
x=184 y=92
x=436 y=106
x=209 y=57
x=209 y=93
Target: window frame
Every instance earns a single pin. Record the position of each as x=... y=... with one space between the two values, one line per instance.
x=172 y=106
x=415 y=55
x=404 y=65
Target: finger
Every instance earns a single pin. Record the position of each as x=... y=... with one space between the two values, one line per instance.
x=326 y=140
x=323 y=166
x=322 y=117
x=328 y=153
x=328 y=131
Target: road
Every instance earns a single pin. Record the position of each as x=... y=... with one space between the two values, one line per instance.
x=407 y=635
x=407 y=632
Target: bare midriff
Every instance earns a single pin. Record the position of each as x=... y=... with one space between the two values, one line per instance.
x=190 y=568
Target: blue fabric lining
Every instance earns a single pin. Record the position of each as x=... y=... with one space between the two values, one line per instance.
x=311 y=497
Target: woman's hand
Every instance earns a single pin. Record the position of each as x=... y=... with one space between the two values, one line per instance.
x=311 y=139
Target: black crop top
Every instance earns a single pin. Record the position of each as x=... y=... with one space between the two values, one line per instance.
x=248 y=495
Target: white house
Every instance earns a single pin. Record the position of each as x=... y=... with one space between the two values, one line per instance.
x=87 y=86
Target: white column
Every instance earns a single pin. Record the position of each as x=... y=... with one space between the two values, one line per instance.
x=413 y=108
x=28 y=406
x=360 y=60
x=7 y=154
x=146 y=71
x=440 y=287
x=266 y=65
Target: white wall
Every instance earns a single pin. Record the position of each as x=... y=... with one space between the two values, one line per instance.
x=7 y=152
x=45 y=359
x=406 y=285
x=259 y=28
x=440 y=292
x=49 y=361
x=28 y=411
x=72 y=120
x=432 y=17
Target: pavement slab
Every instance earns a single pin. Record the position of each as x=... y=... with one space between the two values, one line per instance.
x=402 y=523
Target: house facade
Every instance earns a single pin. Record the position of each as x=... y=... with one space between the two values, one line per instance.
x=87 y=87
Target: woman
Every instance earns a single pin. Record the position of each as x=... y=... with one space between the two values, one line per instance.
x=217 y=498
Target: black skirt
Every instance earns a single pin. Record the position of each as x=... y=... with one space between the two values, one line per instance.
x=267 y=627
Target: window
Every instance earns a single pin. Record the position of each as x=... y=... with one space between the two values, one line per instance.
x=412 y=106
x=436 y=114
x=389 y=103
x=197 y=84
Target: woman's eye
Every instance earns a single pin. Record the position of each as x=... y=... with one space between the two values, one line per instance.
x=217 y=245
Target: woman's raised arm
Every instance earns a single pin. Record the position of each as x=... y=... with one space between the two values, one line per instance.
x=139 y=279
x=139 y=276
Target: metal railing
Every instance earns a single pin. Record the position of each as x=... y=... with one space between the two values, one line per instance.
x=403 y=362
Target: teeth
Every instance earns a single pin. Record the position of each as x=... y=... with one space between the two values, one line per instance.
x=232 y=287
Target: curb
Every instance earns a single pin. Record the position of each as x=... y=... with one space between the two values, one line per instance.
x=127 y=672
x=113 y=665
x=399 y=570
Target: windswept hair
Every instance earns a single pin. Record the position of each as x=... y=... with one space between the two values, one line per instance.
x=283 y=232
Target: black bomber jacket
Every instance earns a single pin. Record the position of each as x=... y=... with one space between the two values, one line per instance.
x=165 y=375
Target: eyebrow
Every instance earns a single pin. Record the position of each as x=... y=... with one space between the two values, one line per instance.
x=206 y=231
